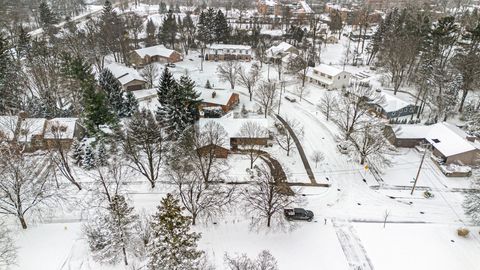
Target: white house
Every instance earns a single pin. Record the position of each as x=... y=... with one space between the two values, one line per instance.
x=281 y=50
x=220 y=52
x=328 y=77
x=392 y=106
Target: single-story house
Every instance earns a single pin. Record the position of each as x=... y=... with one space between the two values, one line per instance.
x=224 y=100
x=31 y=133
x=220 y=52
x=233 y=127
x=328 y=77
x=219 y=151
x=159 y=54
x=130 y=79
x=448 y=142
x=392 y=106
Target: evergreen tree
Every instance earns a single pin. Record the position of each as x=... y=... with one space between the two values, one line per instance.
x=173 y=246
x=113 y=91
x=47 y=17
x=77 y=152
x=208 y=85
x=150 y=40
x=9 y=80
x=130 y=105
x=168 y=31
x=111 y=235
x=222 y=30
x=206 y=27
x=23 y=43
x=89 y=158
x=177 y=8
x=162 y=8
x=102 y=155
x=190 y=97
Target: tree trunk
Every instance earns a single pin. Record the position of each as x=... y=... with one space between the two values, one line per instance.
x=269 y=219
x=124 y=255
x=23 y=222
x=362 y=160
x=462 y=101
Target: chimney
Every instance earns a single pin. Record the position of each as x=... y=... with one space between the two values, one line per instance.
x=214 y=94
x=471 y=138
x=22 y=115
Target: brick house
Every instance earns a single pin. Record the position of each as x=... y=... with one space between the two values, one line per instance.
x=220 y=151
x=154 y=54
x=225 y=100
x=221 y=52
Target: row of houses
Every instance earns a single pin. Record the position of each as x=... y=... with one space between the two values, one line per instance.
x=39 y=133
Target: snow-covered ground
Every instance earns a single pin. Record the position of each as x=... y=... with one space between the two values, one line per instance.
x=347 y=231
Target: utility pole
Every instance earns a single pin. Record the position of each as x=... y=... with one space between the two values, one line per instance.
x=419 y=169
x=282 y=86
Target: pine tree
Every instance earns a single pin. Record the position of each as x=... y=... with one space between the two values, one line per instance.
x=9 y=79
x=208 y=85
x=177 y=8
x=111 y=235
x=77 y=152
x=113 y=91
x=89 y=158
x=168 y=31
x=150 y=39
x=190 y=97
x=47 y=17
x=162 y=8
x=130 y=105
x=23 y=43
x=222 y=30
x=102 y=155
x=173 y=246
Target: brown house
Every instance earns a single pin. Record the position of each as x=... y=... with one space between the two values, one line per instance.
x=219 y=151
x=233 y=127
x=130 y=79
x=448 y=142
x=154 y=54
x=225 y=100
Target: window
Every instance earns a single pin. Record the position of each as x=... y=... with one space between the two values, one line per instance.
x=436 y=140
x=339 y=77
x=344 y=76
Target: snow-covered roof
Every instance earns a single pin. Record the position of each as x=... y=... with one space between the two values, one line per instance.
x=66 y=126
x=449 y=139
x=306 y=7
x=270 y=3
x=233 y=125
x=329 y=70
x=229 y=46
x=221 y=97
x=31 y=127
x=273 y=33
x=8 y=126
x=158 y=50
x=145 y=94
x=280 y=48
x=124 y=74
x=391 y=103
x=445 y=137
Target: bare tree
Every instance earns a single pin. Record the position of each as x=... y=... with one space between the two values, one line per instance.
x=264 y=261
x=250 y=132
x=266 y=93
x=200 y=199
x=59 y=153
x=150 y=74
x=8 y=251
x=228 y=72
x=285 y=139
x=317 y=157
x=327 y=104
x=108 y=181
x=299 y=67
x=385 y=217
x=370 y=143
x=265 y=199
x=144 y=145
x=352 y=108
x=301 y=91
x=27 y=185
x=249 y=79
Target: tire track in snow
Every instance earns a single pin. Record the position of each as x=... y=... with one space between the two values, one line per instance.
x=352 y=247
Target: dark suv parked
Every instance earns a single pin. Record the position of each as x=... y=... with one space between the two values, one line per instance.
x=298 y=214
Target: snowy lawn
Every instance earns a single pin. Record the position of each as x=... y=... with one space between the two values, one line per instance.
x=419 y=246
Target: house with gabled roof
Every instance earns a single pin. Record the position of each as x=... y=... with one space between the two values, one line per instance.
x=130 y=78
x=154 y=54
x=224 y=100
x=328 y=77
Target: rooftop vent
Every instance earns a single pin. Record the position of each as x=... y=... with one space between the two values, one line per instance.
x=214 y=94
